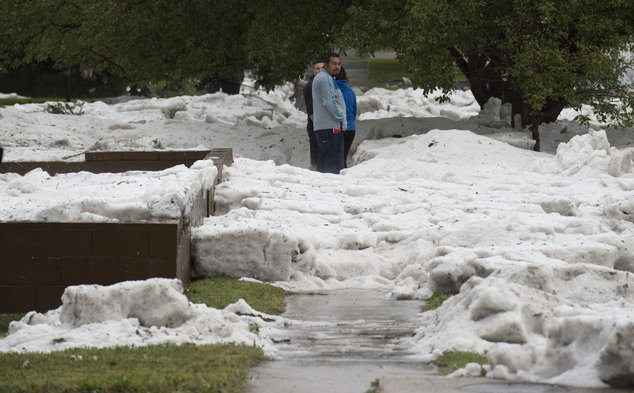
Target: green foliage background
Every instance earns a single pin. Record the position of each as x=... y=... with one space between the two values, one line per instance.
x=162 y=41
x=538 y=55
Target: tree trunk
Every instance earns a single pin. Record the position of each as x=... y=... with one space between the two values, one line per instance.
x=216 y=83
x=473 y=68
x=68 y=88
x=486 y=81
x=519 y=107
x=552 y=110
x=535 y=131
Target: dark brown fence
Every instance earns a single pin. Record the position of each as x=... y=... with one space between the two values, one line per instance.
x=39 y=259
x=122 y=161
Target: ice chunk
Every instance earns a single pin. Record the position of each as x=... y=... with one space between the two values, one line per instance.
x=616 y=361
x=154 y=302
x=592 y=153
x=504 y=327
x=243 y=252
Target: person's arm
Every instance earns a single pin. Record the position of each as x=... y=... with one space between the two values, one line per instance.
x=344 y=121
x=354 y=105
x=308 y=99
x=327 y=89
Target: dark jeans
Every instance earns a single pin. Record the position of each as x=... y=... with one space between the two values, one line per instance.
x=314 y=147
x=348 y=137
x=330 y=150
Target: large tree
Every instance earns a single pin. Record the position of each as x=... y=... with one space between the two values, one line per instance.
x=159 y=40
x=288 y=35
x=148 y=41
x=538 y=55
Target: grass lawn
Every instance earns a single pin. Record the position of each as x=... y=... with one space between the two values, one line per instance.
x=5 y=319
x=385 y=70
x=159 y=368
x=220 y=292
x=37 y=100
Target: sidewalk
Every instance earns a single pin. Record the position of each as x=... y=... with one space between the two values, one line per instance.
x=342 y=341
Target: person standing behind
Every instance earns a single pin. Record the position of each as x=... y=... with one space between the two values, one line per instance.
x=351 y=112
x=308 y=99
x=329 y=110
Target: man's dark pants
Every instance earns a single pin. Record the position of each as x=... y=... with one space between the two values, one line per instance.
x=348 y=138
x=330 y=150
x=314 y=148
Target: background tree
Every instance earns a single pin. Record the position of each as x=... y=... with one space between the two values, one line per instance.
x=156 y=40
x=538 y=55
x=145 y=41
x=287 y=36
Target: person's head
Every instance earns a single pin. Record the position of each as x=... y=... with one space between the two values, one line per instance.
x=342 y=74
x=332 y=63
x=319 y=64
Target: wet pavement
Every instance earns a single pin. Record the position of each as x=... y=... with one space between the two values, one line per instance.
x=345 y=340
x=359 y=325
x=348 y=340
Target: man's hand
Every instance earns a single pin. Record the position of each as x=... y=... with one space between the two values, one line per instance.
x=312 y=118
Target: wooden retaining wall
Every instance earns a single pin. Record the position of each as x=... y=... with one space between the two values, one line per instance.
x=123 y=161
x=39 y=259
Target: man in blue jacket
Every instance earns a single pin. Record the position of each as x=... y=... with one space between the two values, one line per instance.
x=329 y=111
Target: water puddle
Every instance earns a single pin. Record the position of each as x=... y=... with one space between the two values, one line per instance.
x=343 y=341
x=360 y=325
x=511 y=387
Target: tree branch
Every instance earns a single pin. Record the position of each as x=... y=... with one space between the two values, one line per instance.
x=107 y=60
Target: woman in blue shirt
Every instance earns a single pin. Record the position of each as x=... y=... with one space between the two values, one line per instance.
x=351 y=112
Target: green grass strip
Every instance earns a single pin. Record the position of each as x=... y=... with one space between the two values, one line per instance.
x=160 y=369
x=221 y=291
x=214 y=292
x=37 y=100
x=436 y=300
x=5 y=319
x=452 y=360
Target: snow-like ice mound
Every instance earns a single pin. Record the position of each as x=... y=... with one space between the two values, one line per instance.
x=11 y=95
x=153 y=302
x=135 y=313
x=527 y=246
x=244 y=250
x=258 y=109
x=449 y=193
x=84 y=196
x=592 y=153
x=453 y=148
x=530 y=334
x=379 y=103
x=514 y=138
